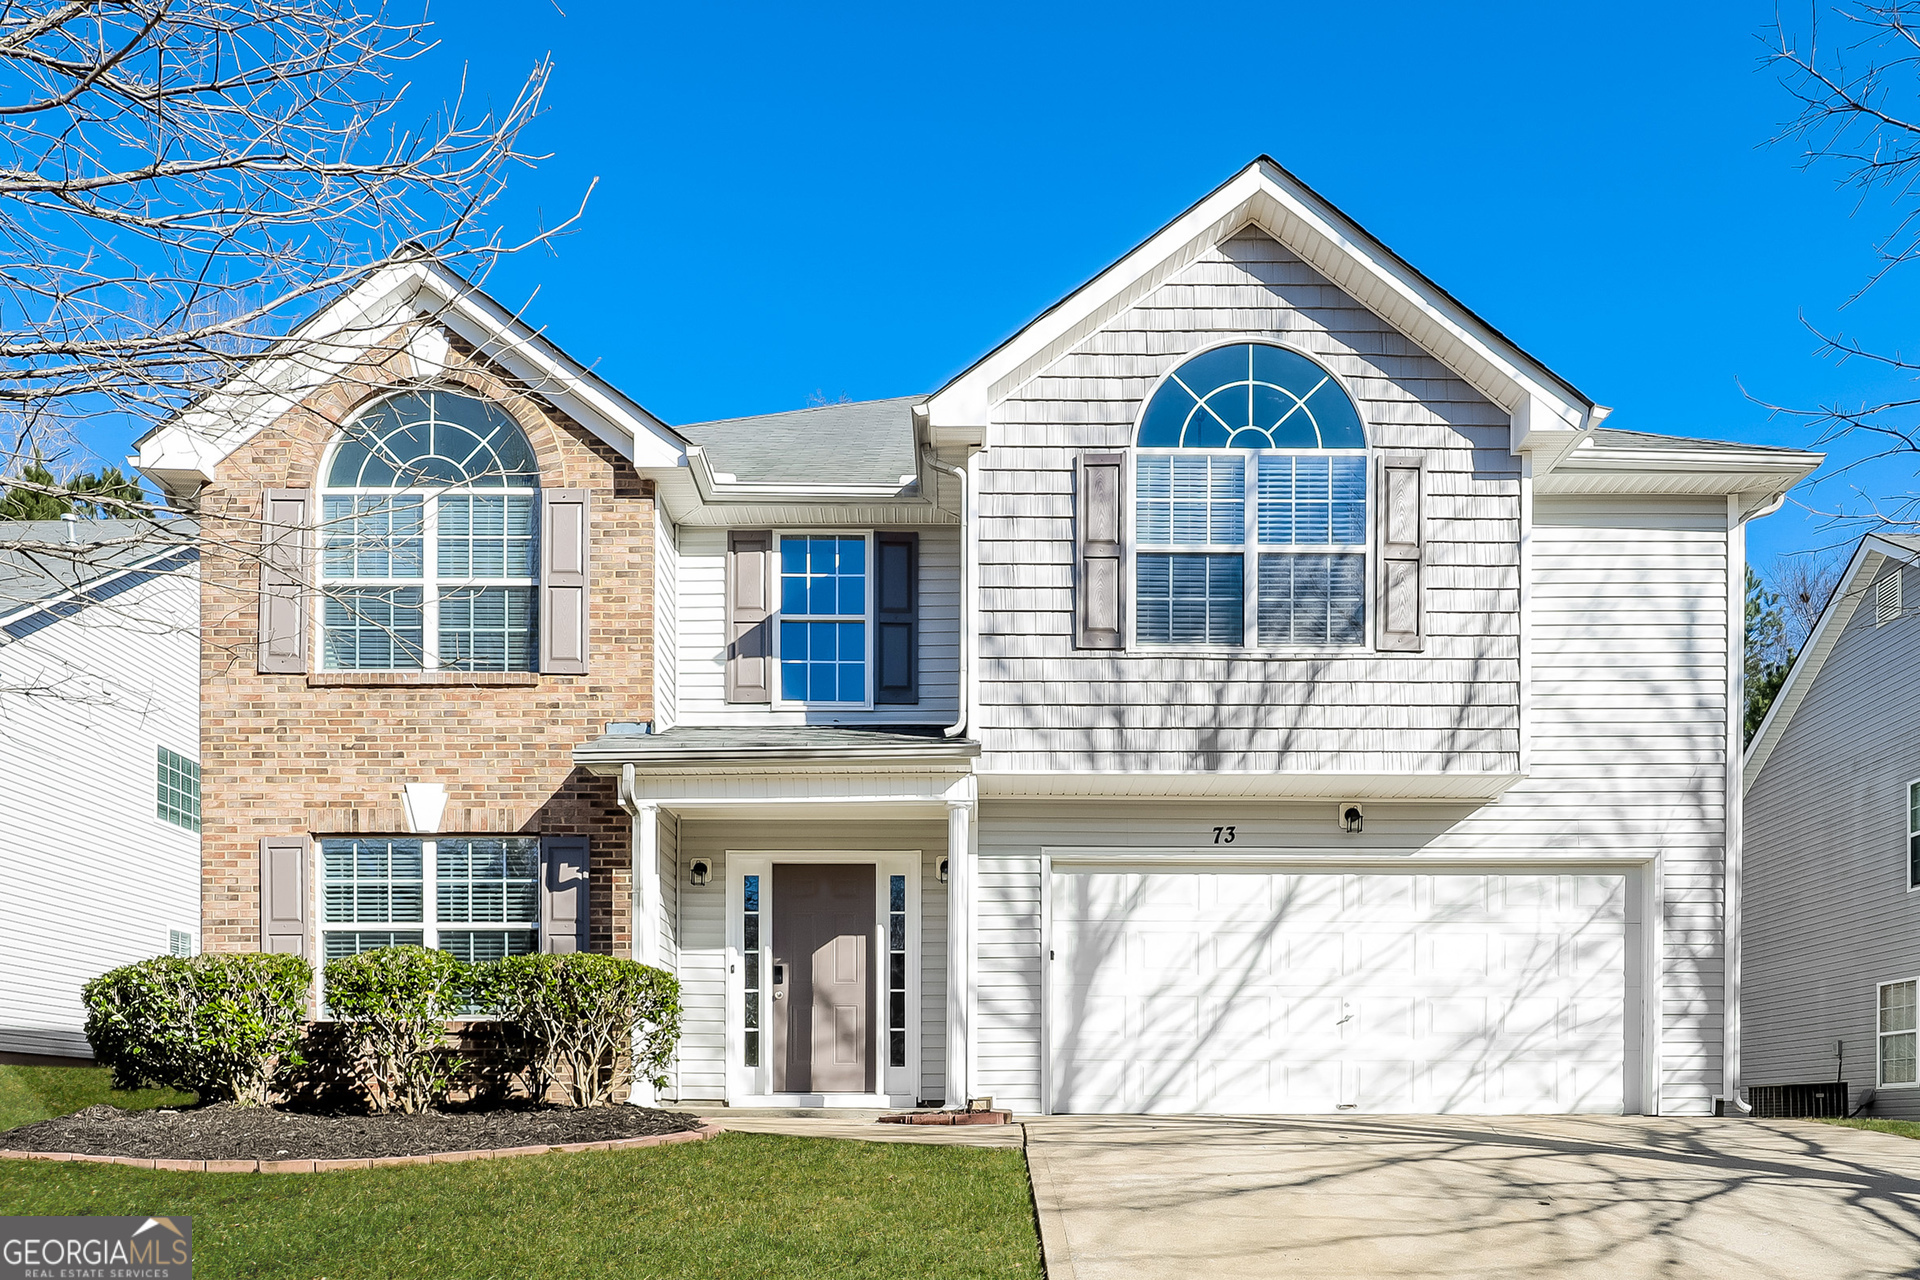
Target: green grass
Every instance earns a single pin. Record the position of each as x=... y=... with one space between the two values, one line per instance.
x=738 y=1206
x=1900 y=1128
x=39 y=1093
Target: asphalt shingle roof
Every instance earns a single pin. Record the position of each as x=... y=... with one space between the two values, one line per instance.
x=46 y=560
x=870 y=442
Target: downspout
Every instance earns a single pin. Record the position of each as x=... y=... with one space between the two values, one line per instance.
x=969 y=550
x=1730 y=1102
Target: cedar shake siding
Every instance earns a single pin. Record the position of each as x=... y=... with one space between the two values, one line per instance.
x=324 y=753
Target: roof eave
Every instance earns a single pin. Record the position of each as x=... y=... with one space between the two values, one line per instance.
x=599 y=759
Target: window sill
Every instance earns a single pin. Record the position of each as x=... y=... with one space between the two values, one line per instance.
x=443 y=679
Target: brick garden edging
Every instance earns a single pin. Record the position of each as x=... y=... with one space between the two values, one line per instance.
x=371 y=1162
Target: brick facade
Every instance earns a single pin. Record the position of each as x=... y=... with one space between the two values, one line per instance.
x=327 y=753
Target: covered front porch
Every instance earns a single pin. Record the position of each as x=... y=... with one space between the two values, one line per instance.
x=809 y=888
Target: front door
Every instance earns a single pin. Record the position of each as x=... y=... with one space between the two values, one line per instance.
x=823 y=926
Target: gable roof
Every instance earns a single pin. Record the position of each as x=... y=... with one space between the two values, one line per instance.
x=185 y=453
x=1862 y=571
x=866 y=442
x=1549 y=413
x=53 y=569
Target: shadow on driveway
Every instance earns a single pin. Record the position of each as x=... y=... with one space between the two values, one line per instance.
x=1404 y=1196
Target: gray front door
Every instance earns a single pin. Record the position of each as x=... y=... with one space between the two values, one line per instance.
x=822 y=984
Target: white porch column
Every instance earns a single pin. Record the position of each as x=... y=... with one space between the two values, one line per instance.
x=959 y=948
x=646 y=883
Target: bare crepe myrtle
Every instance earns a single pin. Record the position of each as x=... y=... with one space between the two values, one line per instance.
x=181 y=183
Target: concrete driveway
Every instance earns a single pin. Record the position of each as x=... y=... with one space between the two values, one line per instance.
x=1565 y=1197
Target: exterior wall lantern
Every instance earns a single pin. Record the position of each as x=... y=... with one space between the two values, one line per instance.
x=943 y=871
x=1351 y=817
x=698 y=871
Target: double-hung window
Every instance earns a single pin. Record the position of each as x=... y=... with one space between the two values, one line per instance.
x=1913 y=835
x=1897 y=1024
x=1250 y=505
x=475 y=896
x=823 y=631
x=428 y=533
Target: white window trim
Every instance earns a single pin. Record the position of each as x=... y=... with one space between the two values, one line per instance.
x=753 y=1086
x=1879 y=1035
x=430 y=582
x=429 y=928
x=1906 y=849
x=1250 y=551
x=778 y=616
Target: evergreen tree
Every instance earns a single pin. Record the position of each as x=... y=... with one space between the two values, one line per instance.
x=1767 y=656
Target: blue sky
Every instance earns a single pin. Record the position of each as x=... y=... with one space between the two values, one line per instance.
x=861 y=200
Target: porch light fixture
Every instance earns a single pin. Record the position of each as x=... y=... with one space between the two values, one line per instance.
x=1351 y=818
x=698 y=871
x=943 y=871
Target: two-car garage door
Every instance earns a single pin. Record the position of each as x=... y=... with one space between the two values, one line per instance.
x=1274 y=992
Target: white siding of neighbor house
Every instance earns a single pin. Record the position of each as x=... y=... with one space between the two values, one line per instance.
x=666 y=622
x=90 y=876
x=703 y=935
x=1454 y=706
x=1629 y=755
x=699 y=643
x=1826 y=914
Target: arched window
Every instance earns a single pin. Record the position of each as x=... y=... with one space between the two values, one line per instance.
x=1260 y=420
x=429 y=512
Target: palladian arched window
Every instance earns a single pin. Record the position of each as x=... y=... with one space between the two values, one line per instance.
x=1250 y=505
x=429 y=511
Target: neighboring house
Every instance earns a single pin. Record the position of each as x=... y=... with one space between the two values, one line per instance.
x=99 y=750
x=1830 y=877
x=1255 y=686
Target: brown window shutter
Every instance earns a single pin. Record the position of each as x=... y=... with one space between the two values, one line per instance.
x=283 y=896
x=564 y=533
x=1400 y=622
x=896 y=591
x=749 y=607
x=563 y=895
x=284 y=542
x=1100 y=620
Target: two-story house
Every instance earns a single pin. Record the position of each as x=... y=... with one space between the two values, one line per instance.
x=1831 y=868
x=1255 y=686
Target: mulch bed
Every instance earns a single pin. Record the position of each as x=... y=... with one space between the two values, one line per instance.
x=225 y=1132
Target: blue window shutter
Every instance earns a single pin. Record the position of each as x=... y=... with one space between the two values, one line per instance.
x=896 y=591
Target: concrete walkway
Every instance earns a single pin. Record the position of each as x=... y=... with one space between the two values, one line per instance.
x=1417 y=1196
x=862 y=1126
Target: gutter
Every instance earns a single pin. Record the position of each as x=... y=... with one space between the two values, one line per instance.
x=969 y=553
x=626 y=762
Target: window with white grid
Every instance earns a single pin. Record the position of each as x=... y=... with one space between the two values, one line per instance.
x=1250 y=505
x=429 y=523
x=475 y=896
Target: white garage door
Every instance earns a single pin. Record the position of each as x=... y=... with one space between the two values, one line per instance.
x=1238 y=992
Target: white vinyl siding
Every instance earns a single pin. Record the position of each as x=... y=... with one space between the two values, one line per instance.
x=666 y=622
x=80 y=796
x=1453 y=707
x=1827 y=913
x=699 y=639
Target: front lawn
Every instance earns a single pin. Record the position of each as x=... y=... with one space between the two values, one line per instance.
x=1900 y=1128
x=740 y=1205
x=28 y=1094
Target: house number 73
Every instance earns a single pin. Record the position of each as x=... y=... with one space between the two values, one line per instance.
x=1223 y=835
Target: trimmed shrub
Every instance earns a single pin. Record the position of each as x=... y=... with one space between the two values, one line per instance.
x=224 y=1026
x=396 y=1002
x=596 y=1022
